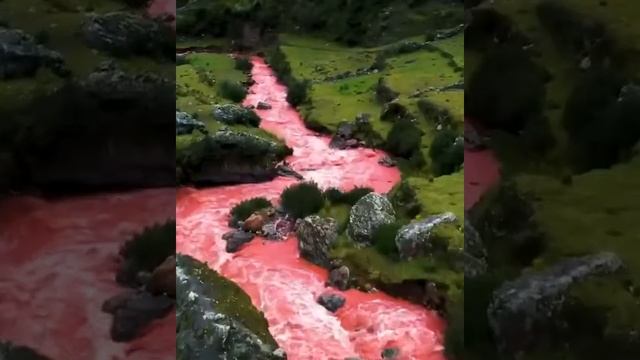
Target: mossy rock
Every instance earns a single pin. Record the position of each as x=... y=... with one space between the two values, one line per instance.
x=216 y=319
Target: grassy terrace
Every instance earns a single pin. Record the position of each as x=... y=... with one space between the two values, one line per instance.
x=198 y=91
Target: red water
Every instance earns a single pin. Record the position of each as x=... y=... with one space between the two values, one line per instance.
x=278 y=281
x=481 y=173
x=58 y=261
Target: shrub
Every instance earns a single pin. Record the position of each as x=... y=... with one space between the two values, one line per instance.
x=298 y=91
x=384 y=93
x=506 y=91
x=152 y=246
x=405 y=200
x=404 y=139
x=302 y=199
x=380 y=62
x=243 y=64
x=232 y=91
x=446 y=152
x=244 y=209
x=335 y=196
x=384 y=239
x=434 y=113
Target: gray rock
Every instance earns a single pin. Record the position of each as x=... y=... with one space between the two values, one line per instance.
x=10 y=351
x=186 y=124
x=524 y=310
x=109 y=82
x=387 y=161
x=232 y=114
x=475 y=254
x=316 y=235
x=339 y=278
x=415 y=239
x=367 y=215
x=208 y=326
x=277 y=228
x=236 y=238
x=133 y=312
x=284 y=169
x=127 y=34
x=331 y=302
x=22 y=56
x=263 y=106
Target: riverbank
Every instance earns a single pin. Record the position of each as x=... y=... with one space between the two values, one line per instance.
x=284 y=287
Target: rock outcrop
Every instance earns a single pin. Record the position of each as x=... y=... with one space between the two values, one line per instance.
x=316 y=235
x=216 y=320
x=524 y=310
x=126 y=34
x=416 y=238
x=186 y=124
x=133 y=311
x=367 y=215
x=22 y=56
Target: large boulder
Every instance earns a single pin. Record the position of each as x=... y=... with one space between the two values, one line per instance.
x=22 y=56
x=186 y=124
x=316 y=235
x=527 y=309
x=232 y=114
x=339 y=278
x=126 y=34
x=367 y=215
x=416 y=238
x=216 y=319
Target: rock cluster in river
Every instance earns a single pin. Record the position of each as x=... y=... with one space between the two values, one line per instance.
x=22 y=56
x=529 y=307
x=367 y=215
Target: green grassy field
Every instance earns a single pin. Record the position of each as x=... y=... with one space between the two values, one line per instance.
x=333 y=101
x=197 y=94
x=61 y=21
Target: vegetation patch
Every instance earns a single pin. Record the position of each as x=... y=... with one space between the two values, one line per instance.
x=244 y=209
x=302 y=199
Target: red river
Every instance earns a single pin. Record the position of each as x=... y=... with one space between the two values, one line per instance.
x=279 y=282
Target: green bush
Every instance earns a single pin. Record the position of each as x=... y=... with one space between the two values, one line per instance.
x=244 y=209
x=404 y=139
x=506 y=91
x=446 y=152
x=405 y=200
x=298 y=91
x=243 y=64
x=232 y=90
x=384 y=93
x=435 y=114
x=152 y=246
x=301 y=200
x=384 y=239
x=336 y=196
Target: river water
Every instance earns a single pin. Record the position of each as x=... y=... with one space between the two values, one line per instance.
x=279 y=282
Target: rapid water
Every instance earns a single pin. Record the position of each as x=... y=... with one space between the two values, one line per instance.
x=58 y=261
x=279 y=282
